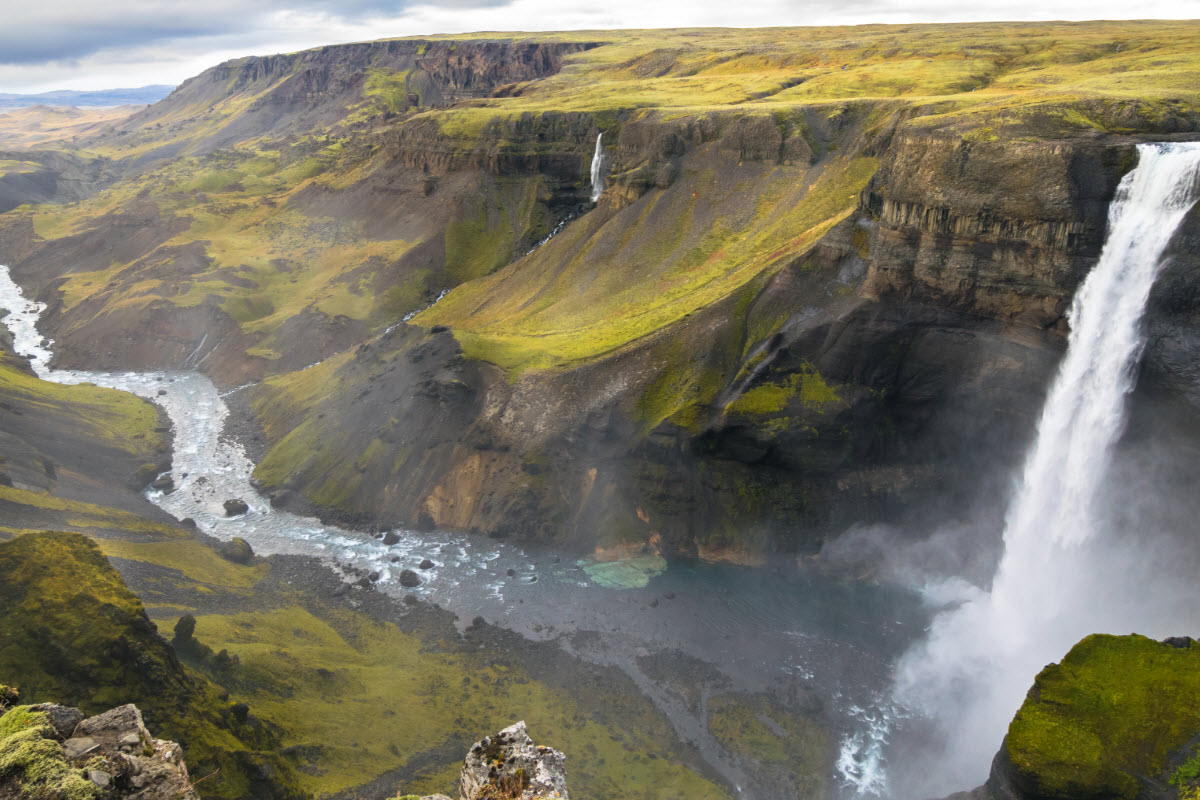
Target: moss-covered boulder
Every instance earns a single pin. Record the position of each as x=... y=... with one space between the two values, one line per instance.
x=32 y=762
x=72 y=632
x=1115 y=719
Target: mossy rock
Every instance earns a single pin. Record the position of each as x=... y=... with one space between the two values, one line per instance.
x=32 y=764
x=1112 y=718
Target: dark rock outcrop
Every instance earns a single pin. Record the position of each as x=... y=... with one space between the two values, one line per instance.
x=235 y=507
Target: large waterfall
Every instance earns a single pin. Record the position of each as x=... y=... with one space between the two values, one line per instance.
x=598 y=168
x=1063 y=574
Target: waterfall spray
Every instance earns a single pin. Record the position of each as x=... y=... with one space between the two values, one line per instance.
x=1059 y=578
x=598 y=169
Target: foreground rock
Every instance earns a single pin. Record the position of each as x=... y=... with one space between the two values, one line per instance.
x=509 y=765
x=1118 y=718
x=50 y=751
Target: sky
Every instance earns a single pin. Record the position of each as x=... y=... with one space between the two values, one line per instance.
x=85 y=44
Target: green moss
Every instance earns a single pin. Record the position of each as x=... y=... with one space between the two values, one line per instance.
x=1114 y=709
x=758 y=731
x=766 y=399
x=478 y=245
x=1187 y=776
x=388 y=90
x=75 y=634
x=32 y=764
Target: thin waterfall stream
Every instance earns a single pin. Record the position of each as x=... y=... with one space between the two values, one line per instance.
x=597 y=172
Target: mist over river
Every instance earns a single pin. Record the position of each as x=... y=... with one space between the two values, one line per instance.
x=791 y=633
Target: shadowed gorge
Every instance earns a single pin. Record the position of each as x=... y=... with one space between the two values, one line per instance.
x=666 y=389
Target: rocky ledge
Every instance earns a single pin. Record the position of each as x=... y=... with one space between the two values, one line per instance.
x=509 y=766
x=50 y=752
x=1116 y=719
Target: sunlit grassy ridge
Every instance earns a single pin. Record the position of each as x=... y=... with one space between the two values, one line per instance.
x=592 y=290
x=981 y=68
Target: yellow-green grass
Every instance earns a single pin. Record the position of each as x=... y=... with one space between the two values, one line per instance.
x=10 y=166
x=754 y=729
x=371 y=697
x=771 y=398
x=648 y=266
x=195 y=561
x=114 y=418
x=1016 y=63
x=58 y=512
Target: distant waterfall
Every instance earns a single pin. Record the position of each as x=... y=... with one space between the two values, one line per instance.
x=1063 y=574
x=598 y=168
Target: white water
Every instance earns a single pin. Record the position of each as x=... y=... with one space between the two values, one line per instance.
x=598 y=169
x=1065 y=572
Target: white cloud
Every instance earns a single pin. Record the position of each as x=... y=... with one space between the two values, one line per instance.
x=58 y=44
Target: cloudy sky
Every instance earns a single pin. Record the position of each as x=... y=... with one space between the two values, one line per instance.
x=101 y=44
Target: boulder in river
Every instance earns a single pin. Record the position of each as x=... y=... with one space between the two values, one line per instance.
x=163 y=483
x=409 y=578
x=235 y=506
x=390 y=538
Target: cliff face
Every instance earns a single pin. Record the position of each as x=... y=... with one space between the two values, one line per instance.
x=999 y=229
x=919 y=333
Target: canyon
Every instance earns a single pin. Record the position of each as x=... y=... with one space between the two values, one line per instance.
x=781 y=302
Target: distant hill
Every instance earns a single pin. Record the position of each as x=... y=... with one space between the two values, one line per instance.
x=143 y=95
